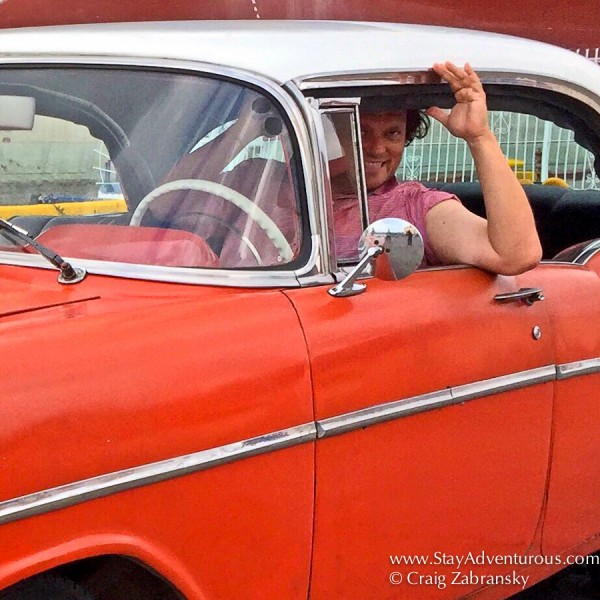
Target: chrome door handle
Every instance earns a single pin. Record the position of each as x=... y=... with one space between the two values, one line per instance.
x=526 y=295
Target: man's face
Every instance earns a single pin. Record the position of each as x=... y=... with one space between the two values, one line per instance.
x=383 y=136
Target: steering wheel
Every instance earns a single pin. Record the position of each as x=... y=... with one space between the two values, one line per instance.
x=203 y=185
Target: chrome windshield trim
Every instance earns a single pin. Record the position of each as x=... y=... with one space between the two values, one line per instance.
x=314 y=265
x=294 y=106
x=316 y=142
x=426 y=402
x=186 y=275
x=579 y=367
x=319 y=260
x=104 y=485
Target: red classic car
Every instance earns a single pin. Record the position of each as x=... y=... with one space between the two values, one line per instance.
x=201 y=400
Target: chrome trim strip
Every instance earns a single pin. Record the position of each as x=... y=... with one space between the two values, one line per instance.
x=425 y=402
x=588 y=253
x=504 y=383
x=382 y=413
x=104 y=485
x=398 y=77
x=579 y=367
x=359 y=166
x=70 y=494
x=319 y=163
x=294 y=105
x=331 y=104
x=361 y=78
x=326 y=206
x=318 y=262
x=349 y=107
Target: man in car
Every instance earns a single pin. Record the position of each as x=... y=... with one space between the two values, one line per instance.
x=506 y=243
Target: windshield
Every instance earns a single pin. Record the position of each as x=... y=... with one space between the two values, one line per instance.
x=149 y=168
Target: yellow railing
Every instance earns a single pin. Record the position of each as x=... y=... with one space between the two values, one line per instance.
x=85 y=207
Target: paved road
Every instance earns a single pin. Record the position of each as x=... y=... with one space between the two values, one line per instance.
x=570 y=584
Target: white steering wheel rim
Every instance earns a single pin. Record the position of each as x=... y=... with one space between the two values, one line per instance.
x=256 y=213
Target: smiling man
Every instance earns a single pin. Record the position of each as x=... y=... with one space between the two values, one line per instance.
x=506 y=243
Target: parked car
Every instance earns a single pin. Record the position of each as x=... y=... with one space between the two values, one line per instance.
x=200 y=401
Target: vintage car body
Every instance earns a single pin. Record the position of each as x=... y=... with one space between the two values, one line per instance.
x=217 y=431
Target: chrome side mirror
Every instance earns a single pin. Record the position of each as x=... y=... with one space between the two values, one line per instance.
x=389 y=249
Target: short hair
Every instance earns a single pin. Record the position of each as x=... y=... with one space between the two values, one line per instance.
x=417 y=125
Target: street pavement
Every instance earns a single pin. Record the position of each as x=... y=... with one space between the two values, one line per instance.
x=570 y=584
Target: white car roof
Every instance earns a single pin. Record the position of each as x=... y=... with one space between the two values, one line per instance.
x=284 y=50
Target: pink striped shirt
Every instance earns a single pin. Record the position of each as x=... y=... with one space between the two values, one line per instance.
x=408 y=200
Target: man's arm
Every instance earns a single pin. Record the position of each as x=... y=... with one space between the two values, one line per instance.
x=507 y=242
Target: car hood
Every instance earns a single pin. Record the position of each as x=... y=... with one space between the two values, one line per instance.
x=31 y=296
x=17 y=297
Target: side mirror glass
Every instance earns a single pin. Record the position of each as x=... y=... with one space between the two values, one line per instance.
x=402 y=245
x=16 y=113
x=389 y=249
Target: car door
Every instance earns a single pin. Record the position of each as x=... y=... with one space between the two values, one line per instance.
x=572 y=514
x=433 y=404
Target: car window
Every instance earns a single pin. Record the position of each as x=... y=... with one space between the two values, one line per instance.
x=550 y=159
x=151 y=168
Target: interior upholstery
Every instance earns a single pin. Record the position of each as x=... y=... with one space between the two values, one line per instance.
x=563 y=216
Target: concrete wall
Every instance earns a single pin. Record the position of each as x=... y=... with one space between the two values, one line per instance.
x=57 y=157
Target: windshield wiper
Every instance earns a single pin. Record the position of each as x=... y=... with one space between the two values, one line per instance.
x=68 y=273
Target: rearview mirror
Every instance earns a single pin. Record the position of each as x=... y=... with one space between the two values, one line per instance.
x=17 y=112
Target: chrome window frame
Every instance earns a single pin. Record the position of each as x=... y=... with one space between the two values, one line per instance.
x=587 y=252
x=397 y=77
x=350 y=106
x=313 y=272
